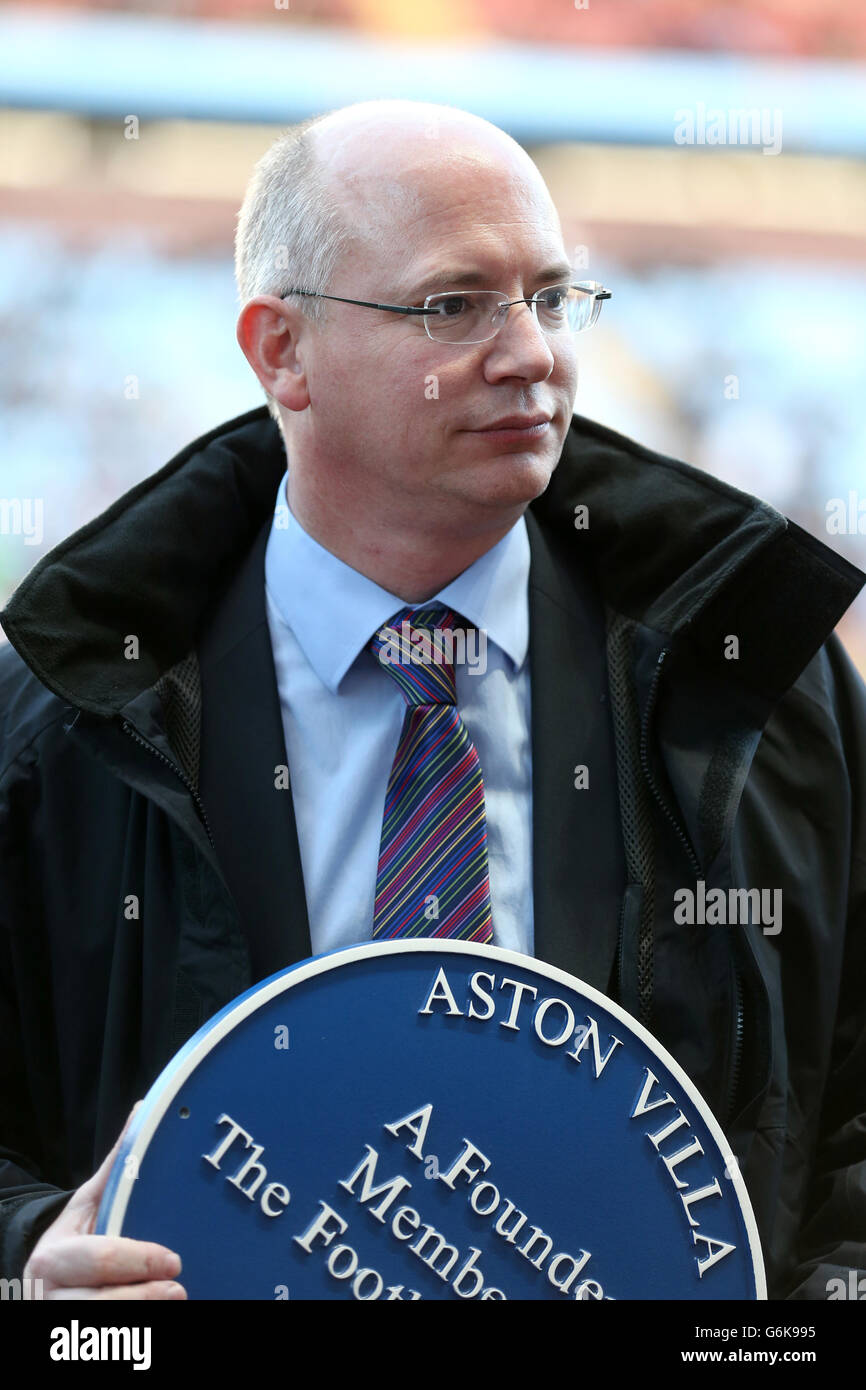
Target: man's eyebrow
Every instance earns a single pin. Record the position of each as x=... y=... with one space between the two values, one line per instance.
x=463 y=279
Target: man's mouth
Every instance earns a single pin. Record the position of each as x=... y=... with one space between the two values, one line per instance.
x=515 y=422
x=514 y=429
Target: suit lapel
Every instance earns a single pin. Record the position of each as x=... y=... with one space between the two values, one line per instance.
x=242 y=745
x=578 y=864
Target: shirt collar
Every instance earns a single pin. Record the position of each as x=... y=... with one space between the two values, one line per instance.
x=333 y=610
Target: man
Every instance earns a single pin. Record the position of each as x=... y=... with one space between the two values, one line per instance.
x=198 y=738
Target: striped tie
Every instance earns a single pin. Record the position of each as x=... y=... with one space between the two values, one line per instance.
x=432 y=878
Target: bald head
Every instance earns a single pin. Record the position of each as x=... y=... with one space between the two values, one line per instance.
x=357 y=129
x=384 y=160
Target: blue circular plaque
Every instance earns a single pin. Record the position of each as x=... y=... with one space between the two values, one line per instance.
x=433 y=1119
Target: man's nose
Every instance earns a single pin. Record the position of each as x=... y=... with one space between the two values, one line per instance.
x=520 y=348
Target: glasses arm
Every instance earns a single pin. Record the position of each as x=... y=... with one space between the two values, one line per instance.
x=600 y=293
x=365 y=303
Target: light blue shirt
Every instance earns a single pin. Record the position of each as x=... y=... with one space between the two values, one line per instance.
x=343 y=714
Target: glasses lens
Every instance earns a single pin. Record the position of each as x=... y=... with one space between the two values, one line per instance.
x=556 y=308
x=471 y=317
x=586 y=305
x=572 y=307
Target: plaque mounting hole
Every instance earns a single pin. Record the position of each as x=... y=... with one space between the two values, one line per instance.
x=184 y=1112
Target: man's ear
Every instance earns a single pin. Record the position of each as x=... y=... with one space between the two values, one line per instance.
x=270 y=333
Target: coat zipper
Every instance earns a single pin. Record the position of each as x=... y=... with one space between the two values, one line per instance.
x=647 y=771
x=738 y=1047
x=197 y=802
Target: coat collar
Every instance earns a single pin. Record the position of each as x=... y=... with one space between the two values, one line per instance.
x=667 y=545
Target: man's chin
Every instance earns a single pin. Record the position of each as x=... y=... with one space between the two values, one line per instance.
x=513 y=479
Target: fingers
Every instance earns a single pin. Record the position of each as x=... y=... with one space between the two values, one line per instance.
x=148 y=1292
x=105 y=1267
x=99 y=1262
x=72 y=1263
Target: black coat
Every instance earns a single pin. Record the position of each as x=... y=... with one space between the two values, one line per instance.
x=141 y=834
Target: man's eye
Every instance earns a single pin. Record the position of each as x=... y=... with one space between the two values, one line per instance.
x=554 y=298
x=453 y=306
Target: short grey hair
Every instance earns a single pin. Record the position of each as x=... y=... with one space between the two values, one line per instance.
x=289 y=229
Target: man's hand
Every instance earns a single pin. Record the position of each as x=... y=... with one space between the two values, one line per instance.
x=74 y=1263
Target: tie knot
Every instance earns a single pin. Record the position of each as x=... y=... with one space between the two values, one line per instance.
x=416 y=648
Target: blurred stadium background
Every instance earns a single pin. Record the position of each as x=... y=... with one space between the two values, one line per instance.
x=735 y=338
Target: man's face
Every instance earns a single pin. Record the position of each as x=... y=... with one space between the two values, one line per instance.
x=401 y=420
